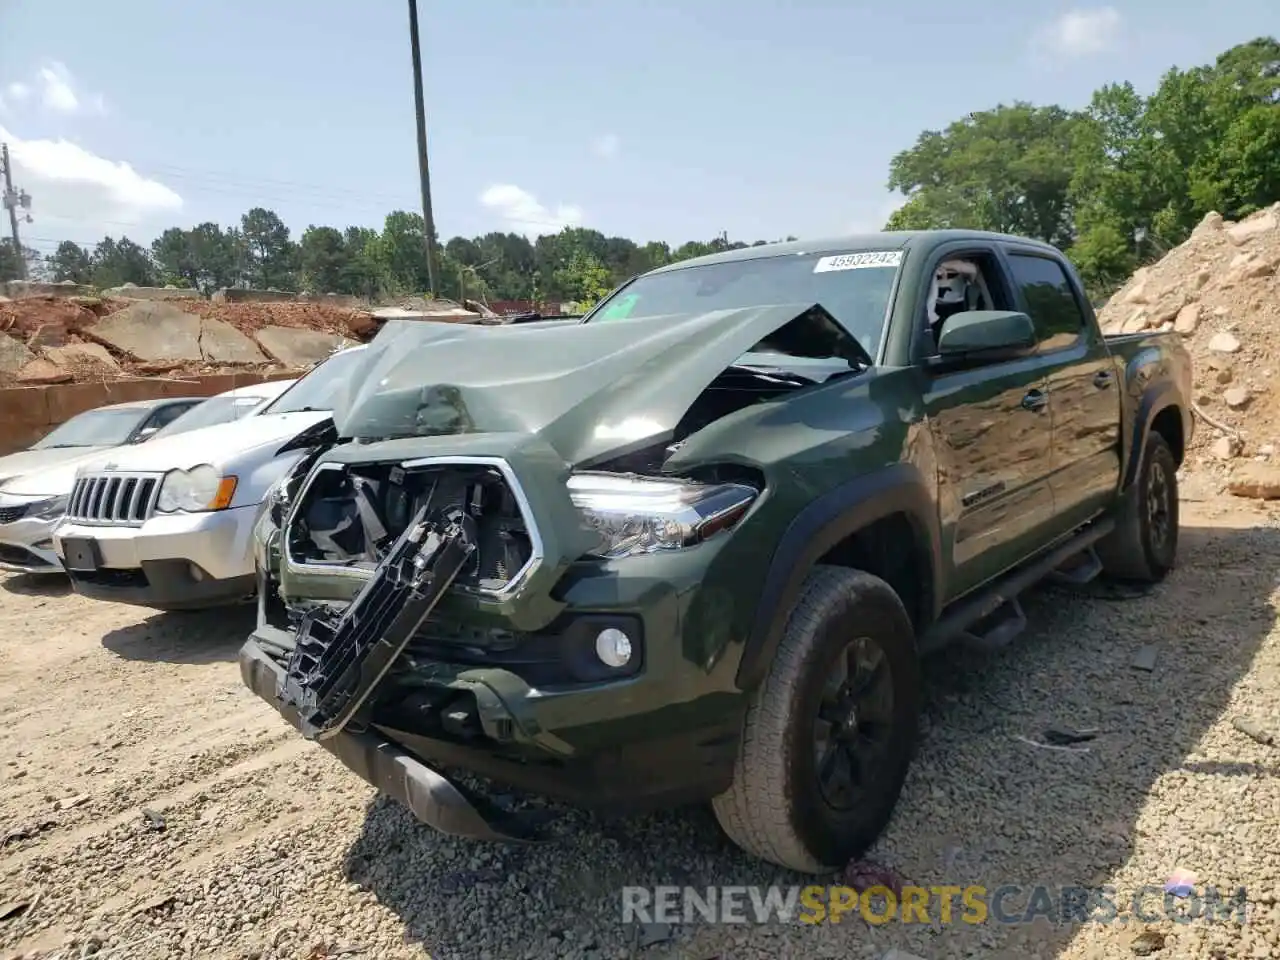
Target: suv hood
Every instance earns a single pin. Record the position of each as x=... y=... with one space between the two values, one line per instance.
x=218 y=445
x=589 y=390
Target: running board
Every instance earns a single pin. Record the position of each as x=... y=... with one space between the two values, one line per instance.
x=999 y=629
x=967 y=612
x=1083 y=568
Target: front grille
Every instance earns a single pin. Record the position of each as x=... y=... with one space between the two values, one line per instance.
x=10 y=514
x=127 y=499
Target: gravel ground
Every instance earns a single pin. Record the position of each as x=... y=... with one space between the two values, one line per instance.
x=153 y=808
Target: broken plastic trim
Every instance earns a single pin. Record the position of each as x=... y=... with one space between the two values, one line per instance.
x=339 y=661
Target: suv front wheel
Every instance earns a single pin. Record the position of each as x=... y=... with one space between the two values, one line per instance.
x=830 y=732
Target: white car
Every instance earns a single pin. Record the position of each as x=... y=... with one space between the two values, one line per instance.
x=32 y=504
x=169 y=524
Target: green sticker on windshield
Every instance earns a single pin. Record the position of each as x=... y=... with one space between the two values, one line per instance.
x=621 y=308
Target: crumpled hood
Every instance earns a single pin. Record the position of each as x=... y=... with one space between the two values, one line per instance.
x=587 y=389
x=29 y=461
x=220 y=445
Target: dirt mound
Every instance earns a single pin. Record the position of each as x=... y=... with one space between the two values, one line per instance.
x=41 y=329
x=1221 y=292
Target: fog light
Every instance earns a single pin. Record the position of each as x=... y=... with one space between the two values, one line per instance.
x=196 y=573
x=613 y=647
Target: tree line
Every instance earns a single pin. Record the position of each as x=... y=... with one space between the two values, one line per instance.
x=575 y=264
x=1114 y=184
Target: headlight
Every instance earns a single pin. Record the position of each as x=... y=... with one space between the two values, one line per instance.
x=191 y=491
x=636 y=515
x=50 y=509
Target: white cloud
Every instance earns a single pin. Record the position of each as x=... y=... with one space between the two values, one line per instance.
x=57 y=92
x=524 y=214
x=606 y=147
x=1083 y=32
x=69 y=184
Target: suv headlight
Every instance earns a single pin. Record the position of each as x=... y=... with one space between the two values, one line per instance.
x=638 y=515
x=50 y=509
x=192 y=491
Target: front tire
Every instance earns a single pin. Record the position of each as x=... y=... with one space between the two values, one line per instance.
x=1144 y=545
x=830 y=732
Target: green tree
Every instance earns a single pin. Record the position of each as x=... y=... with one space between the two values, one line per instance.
x=70 y=261
x=323 y=258
x=1006 y=169
x=117 y=262
x=271 y=255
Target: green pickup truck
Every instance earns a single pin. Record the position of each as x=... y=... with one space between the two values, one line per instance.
x=693 y=546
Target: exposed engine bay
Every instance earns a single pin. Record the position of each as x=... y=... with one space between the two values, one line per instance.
x=353 y=516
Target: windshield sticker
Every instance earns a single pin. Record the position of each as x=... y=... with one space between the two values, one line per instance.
x=621 y=308
x=858 y=261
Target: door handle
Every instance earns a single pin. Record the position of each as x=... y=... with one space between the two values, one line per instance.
x=1102 y=379
x=1035 y=401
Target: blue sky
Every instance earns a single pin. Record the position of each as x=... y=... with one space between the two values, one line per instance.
x=659 y=120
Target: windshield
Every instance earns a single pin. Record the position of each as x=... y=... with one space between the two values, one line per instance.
x=853 y=287
x=213 y=411
x=95 y=428
x=317 y=390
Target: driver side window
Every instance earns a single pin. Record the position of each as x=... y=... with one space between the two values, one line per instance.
x=963 y=282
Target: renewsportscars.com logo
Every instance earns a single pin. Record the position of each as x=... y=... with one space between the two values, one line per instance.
x=1006 y=905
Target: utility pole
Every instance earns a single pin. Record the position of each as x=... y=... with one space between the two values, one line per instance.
x=428 y=223
x=12 y=201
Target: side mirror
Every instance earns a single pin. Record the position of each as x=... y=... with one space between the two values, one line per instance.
x=985 y=332
x=145 y=434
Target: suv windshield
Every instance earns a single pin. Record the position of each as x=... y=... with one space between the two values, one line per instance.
x=316 y=390
x=213 y=411
x=95 y=428
x=854 y=287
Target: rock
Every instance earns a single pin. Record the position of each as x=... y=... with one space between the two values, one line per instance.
x=1267 y=449
x=295 y=347
x=14 y=354
x=153 y=331
x=1136 y=323
x=1137 y=292
x=1224 y=343
x=48 y=335
x=91 y=357
x=1211 y=223
x=42 y=372
x=1223 y=375
x=1258 y=481
x=1236 y=397
x=1244 y=231
x=1258 y=267
x=1188 y=319
x=1144 y=659
x=1167 y=309
x=1225 y=448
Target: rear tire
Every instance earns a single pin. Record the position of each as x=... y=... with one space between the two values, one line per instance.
x=822 y=761
x=1144 y=545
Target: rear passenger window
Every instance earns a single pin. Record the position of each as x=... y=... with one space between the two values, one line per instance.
x=1050 y=300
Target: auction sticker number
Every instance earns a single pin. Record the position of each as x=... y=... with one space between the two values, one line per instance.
x=858 y=261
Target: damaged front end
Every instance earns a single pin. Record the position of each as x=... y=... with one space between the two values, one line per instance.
x=490 y=553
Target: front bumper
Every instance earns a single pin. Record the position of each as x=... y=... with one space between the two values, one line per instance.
x=26 y=546
x=430 y=796
x=171 y=562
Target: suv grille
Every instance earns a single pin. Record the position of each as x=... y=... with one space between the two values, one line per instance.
x=115 y=498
